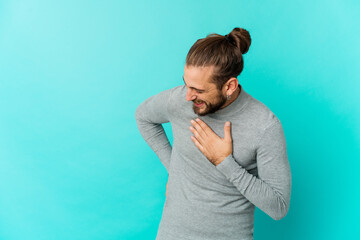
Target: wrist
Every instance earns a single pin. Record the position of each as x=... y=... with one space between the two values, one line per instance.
x=217 y=162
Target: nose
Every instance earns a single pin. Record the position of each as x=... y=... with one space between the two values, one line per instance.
x=189 y=95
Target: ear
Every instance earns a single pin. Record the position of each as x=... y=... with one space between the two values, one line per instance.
x=231 y=85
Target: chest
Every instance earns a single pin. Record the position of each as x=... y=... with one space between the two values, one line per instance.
x=244 y=139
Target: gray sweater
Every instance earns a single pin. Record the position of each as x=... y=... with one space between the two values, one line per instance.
x=205 y=201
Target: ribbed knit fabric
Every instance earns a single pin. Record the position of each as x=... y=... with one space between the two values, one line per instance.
x=208 y=202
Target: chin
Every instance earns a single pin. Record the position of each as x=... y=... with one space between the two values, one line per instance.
x=200 y=112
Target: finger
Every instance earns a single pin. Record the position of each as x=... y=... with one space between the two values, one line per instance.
x=198 y=145
x=208 y=131
x=227 y=131
x=196 y=134
x=199 y=129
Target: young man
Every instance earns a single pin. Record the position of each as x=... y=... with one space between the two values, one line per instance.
x=229 y=150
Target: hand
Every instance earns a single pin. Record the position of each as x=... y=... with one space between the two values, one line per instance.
x=215 y=148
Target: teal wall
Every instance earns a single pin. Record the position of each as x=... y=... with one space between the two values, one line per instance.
x=72 y=162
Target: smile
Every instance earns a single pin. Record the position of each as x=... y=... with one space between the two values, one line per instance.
x=199 y=105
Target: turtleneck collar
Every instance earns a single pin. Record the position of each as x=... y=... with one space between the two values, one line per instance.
x=237 y=105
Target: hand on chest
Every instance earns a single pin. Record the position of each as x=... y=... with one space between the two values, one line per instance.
x=213 y=141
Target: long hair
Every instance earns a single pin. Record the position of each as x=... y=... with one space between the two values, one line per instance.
x=222 y=52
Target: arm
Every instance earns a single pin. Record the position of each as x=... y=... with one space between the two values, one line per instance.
x=149 y=116
x=271 y=191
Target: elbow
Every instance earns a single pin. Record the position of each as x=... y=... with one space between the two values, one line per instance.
x=279 y=215
x=281 y=211
x=281 y=205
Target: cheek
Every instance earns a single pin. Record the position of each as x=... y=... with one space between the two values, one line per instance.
x=203 y=99
x=207 y=99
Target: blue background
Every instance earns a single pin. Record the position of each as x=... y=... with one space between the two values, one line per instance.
x=72 y=162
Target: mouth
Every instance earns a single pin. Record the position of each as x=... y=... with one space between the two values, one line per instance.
x=199 y=104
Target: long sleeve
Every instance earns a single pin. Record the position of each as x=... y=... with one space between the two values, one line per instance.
x=149 y=116
x=271 y=190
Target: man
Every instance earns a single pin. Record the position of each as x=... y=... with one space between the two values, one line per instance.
x=229 y=150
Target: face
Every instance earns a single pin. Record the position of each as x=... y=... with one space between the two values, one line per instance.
x=205 y=95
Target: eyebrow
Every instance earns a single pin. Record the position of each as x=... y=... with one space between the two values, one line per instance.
x=201 y=90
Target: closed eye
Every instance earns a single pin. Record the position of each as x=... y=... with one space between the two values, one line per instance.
x=197 y=90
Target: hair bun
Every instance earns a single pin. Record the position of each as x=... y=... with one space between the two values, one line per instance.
x=241 y=38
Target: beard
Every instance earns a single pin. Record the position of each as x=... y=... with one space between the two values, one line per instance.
x=210 y=107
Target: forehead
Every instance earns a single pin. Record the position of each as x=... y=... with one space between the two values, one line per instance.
x=198 y=77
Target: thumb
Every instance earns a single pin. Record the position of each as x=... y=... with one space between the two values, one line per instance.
x=227 y=131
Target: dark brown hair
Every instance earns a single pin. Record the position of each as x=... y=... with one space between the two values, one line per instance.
x=222 y=52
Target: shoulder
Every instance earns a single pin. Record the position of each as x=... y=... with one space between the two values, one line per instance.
x=160 y=100
x=170 y=93
x=178 y=92
x=172 y=98
x=265 y=123
x=260 y=114
x=165 y=95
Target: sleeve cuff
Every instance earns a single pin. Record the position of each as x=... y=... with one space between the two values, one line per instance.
x=228 y=166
